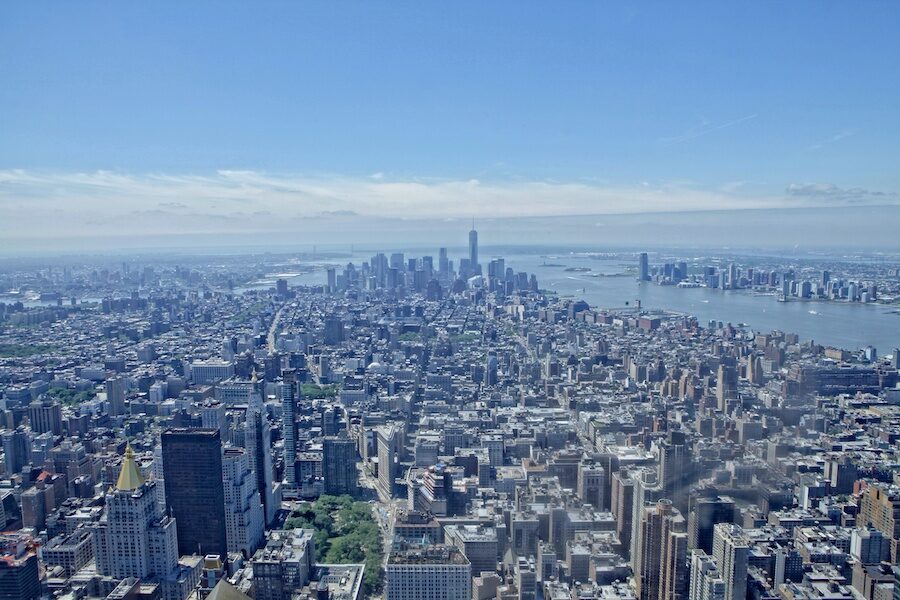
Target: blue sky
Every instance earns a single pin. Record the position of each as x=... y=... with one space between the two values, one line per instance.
x=191 y=108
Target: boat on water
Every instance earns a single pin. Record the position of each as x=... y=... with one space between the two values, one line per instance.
x=813 y=312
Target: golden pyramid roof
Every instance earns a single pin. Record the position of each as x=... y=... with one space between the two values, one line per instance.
x=130 y=477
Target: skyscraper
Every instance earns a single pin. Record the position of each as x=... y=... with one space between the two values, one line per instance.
x=138 y=539
x=258 y=443
x=643 y=267
x=115 y=395
x=661 y=572
x=387 y=440
x=339 y=465
x=16 y=449
x=621 y=505
x=592 y=484
x=285 y=393
x=726 y=385
x=731 y=551
x=706 y=582
x=880 y=508
x=45 y=416
x=244 y=517
x=195 y=494
x=473 y=249
x=647 y=491
x=674 y=467
x=443 y=262
x=705 y=514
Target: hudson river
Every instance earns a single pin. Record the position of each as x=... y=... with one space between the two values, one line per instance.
x=847 y=325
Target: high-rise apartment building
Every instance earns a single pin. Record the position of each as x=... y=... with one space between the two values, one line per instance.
x=285 y=393
x=661 y=572
x=621 y=505
x=195 y=493
x=706 y=582
x=731 y=551
x=647 y=491
x=726 y=385
x=880 y=508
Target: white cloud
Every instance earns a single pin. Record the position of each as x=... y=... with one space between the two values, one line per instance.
x=108 y=202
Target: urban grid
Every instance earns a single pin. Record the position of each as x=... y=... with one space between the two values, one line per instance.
x=412 y=430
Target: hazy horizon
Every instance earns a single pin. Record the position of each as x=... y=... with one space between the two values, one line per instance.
x=127 y=126
x=867 y=229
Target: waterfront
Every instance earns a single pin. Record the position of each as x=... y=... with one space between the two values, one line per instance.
x=848 y=325
x=612 y=283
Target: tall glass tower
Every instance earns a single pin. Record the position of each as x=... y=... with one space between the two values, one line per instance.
x=473 y=247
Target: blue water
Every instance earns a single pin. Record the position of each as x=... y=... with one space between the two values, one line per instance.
x=847 y=325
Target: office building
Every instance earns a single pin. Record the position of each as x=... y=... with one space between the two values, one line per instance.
x=389 y=444
x=45 y=416
x=339 y=465
x=705 y=514
x=138 y=539
x=592 y=484
x=283 y=565
x=69 y=552
x=430 y=573
x=675 y=467
x=195 y=494
x=869 y=546
x=116 y=388
x=479 y=544
x=473 y=250
x=212 y=370
x=244 y=513
x=16 y=450
x=258 y=444
x=643 y=267
x=19 y=578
